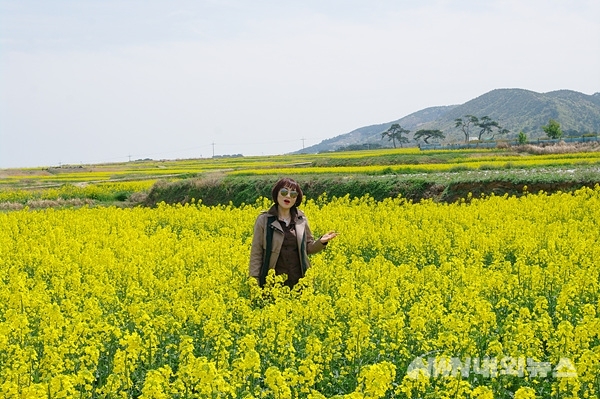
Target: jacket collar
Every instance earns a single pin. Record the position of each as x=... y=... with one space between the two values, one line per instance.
x=299 y=216
x=298 y=220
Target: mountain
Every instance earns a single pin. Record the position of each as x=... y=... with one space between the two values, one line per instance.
x=372 y=134
x=514 y=109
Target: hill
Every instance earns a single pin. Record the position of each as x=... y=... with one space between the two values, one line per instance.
x=514 y=109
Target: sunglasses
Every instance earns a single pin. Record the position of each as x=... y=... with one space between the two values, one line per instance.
x=284 y=193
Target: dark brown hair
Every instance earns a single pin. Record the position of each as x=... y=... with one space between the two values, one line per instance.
x=287 y=182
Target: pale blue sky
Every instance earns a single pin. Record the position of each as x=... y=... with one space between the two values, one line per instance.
x=85 y=81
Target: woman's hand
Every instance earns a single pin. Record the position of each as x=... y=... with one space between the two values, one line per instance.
x=325 y=238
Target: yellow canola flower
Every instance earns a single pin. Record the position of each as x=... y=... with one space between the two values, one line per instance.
x=490 y=294
x=375 y=380
x=525 y=393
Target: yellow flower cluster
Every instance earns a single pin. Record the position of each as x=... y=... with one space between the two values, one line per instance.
x=459 y=163
x=487 y=298
x=68 y=191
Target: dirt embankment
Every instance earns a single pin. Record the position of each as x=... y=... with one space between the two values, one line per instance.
x=249 y=190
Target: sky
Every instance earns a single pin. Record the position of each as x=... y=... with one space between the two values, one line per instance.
x=91 y=81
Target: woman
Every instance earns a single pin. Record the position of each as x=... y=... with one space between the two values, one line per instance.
x=282 y=239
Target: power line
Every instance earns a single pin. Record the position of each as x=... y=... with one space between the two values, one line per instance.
x=212 y=144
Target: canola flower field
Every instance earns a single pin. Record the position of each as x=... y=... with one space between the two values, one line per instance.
x=493 y=297
x=100 y=191
x=129 y=183
x=366 y=162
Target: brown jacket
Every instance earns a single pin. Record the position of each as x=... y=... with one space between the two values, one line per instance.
x=306 y=243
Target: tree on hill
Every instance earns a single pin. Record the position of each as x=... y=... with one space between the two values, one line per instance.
x=394 y=133
x=553 y=130
x=465 y=123
x=502 y=130
x=486 y=124
x=427 y=134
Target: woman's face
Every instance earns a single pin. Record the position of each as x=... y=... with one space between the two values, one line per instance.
x=286 y=198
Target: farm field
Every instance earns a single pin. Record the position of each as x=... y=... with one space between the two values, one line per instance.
x=125 y=184
x=372 y=162
x=483 y=297
x=492 y=298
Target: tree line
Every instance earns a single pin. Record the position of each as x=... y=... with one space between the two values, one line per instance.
x=468 y=125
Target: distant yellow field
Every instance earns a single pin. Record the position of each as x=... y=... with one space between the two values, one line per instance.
x=470 y=163
x=92 y=181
